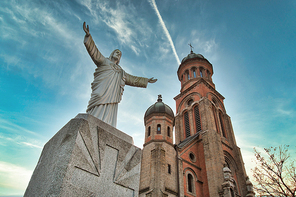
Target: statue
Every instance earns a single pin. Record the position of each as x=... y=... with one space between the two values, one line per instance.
x=109 y=81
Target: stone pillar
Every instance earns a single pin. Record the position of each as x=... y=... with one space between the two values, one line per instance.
x=157 y=170
x=87 y=157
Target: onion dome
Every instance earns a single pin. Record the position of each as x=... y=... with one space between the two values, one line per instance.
x=159 y=107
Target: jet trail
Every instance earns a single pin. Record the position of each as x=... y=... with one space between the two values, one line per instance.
x=165 y=30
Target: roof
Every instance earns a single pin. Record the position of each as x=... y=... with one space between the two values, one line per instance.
x=188 y=140
x=159 y=107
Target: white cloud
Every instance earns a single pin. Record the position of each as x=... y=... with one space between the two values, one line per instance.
x=31 y=145
x=6 y=141
x=14 y=176
x=14 y=127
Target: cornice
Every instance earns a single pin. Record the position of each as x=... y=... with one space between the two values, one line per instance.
x=154 y=140
x=201 y=80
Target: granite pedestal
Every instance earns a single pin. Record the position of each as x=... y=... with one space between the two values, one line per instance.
x=87 y=157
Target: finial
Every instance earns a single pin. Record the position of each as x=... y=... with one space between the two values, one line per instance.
x=191 y=47
x=159 y=98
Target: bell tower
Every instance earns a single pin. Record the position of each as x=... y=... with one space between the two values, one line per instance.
x=205 y=142
x=159 y=166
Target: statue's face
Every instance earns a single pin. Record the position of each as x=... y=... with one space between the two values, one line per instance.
x=117 y=55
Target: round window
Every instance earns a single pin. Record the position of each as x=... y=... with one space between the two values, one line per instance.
x=192 y=157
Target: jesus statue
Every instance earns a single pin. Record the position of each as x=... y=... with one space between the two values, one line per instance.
x=109 y=81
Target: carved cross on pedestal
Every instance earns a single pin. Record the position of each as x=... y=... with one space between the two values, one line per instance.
x=107 y=178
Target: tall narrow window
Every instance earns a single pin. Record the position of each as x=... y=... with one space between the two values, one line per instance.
x=190 y=183
x=197 y=118
x=222 y=124
x=169 y=131
x=215 y=117
x=149 y=131
x=187 y=74
x=194 y=73
x=200 y=72
x=187 y=126
x=169 y=169
x=158 y=129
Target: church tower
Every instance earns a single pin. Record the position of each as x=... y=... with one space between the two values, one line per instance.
x=159 y=166
x=209 y=160
x=204 y=160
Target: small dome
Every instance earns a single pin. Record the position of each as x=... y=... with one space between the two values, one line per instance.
x=193 y=55
x=159 y=107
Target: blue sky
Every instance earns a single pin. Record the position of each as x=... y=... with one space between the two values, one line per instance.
x=45 y=71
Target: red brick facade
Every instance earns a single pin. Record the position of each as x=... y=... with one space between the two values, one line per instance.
x=205 y=149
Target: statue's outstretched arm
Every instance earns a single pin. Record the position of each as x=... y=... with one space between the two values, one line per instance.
x=91 y=47
x=138 y=81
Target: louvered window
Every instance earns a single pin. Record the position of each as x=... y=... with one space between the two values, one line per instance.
x=197 y=118
x=187 y=126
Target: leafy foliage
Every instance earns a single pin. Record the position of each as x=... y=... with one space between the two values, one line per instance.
x=275 y=173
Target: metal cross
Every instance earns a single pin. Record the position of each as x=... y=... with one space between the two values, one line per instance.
x=191 y=47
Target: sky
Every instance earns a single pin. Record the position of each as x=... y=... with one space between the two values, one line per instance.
x=46 y=72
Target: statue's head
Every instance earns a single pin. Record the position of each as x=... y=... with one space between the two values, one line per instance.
x=115 y=55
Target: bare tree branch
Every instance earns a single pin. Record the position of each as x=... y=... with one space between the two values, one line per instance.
x=275 y=173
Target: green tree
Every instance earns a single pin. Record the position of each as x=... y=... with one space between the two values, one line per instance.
x=275 y=173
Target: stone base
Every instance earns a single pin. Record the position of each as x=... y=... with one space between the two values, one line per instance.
x=87 y=157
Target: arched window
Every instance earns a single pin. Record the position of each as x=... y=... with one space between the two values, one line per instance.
x=197 y=118
x=187 y=74
x=149 y=131
x=158 y=129
x=194 y=73
x=200 y=72
x=169 y=131
x=222 y=124
x=190 y=183
x=187 y=126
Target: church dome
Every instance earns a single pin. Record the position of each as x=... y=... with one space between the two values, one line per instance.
x=193 y=55
x=159 y=107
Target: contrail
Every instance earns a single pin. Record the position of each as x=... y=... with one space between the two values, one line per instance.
x=165 y=29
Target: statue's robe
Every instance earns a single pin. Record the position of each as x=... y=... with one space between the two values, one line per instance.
x=108 y=85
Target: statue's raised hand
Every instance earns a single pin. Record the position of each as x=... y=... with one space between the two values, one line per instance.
x=86 y=29
x=151 y=80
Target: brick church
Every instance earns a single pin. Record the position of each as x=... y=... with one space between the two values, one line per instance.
x=204 y=159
